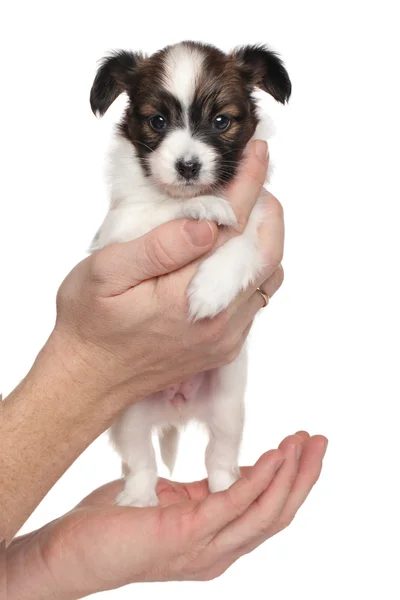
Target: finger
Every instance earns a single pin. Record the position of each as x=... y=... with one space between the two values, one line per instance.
x=238 y=346
x=244 y=191
x=314 y=449
x=169 y=247
x=257 y=520
x=303 y=434
x=271 y=244
x=104 y=495
x=310 y=466
x=271 y=241
x=220 y=509
x=244 y=311
x=271 y=285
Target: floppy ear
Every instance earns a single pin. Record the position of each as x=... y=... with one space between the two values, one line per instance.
x=265 y=70
x=113 y=75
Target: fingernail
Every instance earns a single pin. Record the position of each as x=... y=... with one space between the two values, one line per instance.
x=199 y=233
x=261 y=150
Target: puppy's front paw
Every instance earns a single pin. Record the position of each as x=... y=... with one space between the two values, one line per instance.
x=211 y=209
x=210 y=291
x=221 y=277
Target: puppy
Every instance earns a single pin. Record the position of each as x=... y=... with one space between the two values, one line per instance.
x=190 y=115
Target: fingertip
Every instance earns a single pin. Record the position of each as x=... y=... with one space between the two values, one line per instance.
x=322 y=442
x=261 y=151
x=304 y=435
x=293 y=447
x=290 y=440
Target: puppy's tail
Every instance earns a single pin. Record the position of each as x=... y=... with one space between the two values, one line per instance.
x=169 y=440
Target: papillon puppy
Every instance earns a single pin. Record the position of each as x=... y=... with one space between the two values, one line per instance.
x=191 y=113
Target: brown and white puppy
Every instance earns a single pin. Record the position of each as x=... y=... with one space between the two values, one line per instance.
x=191 y=112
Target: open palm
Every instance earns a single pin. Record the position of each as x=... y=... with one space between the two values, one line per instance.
x=191 y=535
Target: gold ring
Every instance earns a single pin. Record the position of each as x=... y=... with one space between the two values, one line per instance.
x=265 y=297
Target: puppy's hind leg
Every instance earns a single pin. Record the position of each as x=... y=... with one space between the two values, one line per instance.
x=225 y=425
x=131 y=435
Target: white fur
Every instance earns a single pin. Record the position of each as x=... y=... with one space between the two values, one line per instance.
x=228 y=271
x=214 y=398
x=183 y=65
x=182 y=68
x=180 y=145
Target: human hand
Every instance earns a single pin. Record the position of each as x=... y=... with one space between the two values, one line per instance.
x=123 y=311
x=192 y=535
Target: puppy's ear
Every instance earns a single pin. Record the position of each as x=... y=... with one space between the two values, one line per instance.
x=112 y=78
x=265 y=70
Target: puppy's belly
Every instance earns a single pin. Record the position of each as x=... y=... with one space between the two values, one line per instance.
x=183 y=400
x=180 y=393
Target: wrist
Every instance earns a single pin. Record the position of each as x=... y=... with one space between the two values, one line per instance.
x=87 y=372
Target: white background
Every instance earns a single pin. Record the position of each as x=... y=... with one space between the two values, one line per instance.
x=325 y=354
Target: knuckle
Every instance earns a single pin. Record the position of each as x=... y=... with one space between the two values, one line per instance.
x=214 y=330
x=242 y=220
x=275 y=281
x=232 y=355
x=284 y=522
x=64 y=296
x=98 y=268
x=227 y=345
x=272 y=204
x=232 y=504
x=277 y=207
x=266 y=523
x=265 y=530
x=274 y=256
x=280 y=275
x=157 y=255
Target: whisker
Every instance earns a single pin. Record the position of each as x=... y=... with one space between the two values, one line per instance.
x=145 y=145
x=227 y=152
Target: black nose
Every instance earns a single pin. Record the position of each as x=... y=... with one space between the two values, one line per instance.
x=188 y=170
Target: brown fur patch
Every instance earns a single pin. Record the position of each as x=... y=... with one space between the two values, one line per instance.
x=224 y=87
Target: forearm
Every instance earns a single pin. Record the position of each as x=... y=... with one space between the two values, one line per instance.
x=49 y=420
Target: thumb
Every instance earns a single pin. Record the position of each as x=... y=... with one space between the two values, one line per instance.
x=167 y=248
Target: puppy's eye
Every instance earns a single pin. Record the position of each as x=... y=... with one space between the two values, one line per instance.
x=221 y=123
x=158 y=123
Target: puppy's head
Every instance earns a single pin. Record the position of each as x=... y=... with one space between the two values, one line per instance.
x=191 y=111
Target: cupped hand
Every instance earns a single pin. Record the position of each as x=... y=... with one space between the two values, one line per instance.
x=191 y=535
